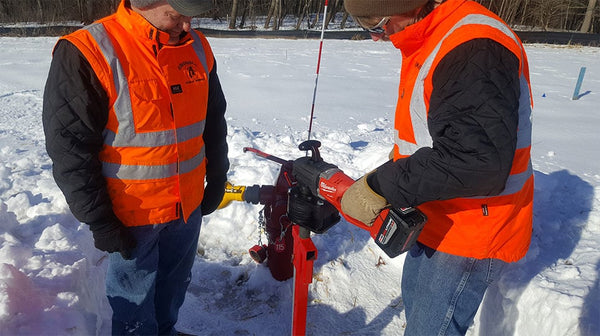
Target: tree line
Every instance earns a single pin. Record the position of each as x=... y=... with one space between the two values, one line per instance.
x=564 y=15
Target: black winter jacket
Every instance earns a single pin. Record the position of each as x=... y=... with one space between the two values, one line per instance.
x=473 y=118
x=75 y=113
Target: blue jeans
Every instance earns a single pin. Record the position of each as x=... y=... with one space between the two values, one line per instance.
x=146 y=292
x=442 y=292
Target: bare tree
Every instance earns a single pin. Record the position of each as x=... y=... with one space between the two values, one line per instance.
x=270 y=13
x=244 y=14
x=333 y=9
x=589 y=15
x=40 y=11
x=303 y=8
x=318 y=11
x=275 y=14
x=344 y=19
x=233 y=16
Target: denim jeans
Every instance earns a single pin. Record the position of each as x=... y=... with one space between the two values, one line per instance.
x=442 y=292
x=146 y=292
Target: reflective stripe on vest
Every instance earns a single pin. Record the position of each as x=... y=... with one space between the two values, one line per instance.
x=418 y=109
x=126 y=135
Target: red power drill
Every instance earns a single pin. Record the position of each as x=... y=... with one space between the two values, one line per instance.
x=395 y=230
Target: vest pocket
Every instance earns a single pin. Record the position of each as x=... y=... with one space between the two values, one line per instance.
x=144 y=202
x=150 y=105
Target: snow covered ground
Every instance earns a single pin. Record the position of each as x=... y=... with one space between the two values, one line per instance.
x=52 y=278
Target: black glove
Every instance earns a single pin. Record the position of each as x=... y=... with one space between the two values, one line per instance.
x=307 y=173
x=213 y=195
x=114 y=238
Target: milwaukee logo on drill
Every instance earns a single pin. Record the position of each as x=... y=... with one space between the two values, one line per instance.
x=326 y=188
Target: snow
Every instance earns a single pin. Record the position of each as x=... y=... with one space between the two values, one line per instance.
x=52 y=277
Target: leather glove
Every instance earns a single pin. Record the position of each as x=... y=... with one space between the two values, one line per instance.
x=213 y=195
x=117 y=239
x=307 y=173
x=362 y=203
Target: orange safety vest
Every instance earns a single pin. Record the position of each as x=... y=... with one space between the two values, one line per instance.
x=480 y=227
x=153 y=157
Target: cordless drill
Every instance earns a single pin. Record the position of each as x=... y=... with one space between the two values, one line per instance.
x=395 y=230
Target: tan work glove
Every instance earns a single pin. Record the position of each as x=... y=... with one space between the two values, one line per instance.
x=362 y=203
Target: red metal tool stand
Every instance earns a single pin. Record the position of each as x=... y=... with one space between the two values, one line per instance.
x=305 y=253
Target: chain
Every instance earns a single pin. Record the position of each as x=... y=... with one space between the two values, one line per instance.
x=261 y=226
x=282 y=228
x=284 y=225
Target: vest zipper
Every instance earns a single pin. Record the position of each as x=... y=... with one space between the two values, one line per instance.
x=178 y=210
x=175 y=131
x=484 y=210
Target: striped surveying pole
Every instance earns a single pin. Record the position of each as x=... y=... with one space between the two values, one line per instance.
x=312 y=110
x=305 y=252
x=578 y=85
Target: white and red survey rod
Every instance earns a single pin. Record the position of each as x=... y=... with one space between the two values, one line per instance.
x=312 y=110
x=305 y=252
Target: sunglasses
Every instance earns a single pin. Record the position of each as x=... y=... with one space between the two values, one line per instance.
x=376 y=29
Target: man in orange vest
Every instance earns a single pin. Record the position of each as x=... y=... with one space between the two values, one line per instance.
x=134 y=121
x=461 y=154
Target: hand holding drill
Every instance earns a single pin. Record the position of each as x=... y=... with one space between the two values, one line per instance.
x=394 y=230
x=355 y=199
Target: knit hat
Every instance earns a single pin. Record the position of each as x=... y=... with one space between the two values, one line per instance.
x=381 y=7
x=184 y=7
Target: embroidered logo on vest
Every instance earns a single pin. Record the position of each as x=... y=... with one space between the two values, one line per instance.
x=191 y=71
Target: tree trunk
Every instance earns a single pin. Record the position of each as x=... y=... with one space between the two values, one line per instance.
x=244 y=15
x=233 y=18
x=40 y=11
x=302 y=13
x=344 y=19
x=249 y=14
x=270 y=13
x=274 y=14
x=317 y=14
x=566 y=22
x=333 y=9
x=280 y=15
x=89 y=11
x=589 y=15
x=523 y=16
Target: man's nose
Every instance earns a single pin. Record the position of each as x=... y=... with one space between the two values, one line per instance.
x=376 y=37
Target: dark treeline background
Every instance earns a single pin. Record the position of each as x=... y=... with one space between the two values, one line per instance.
x=551 y=15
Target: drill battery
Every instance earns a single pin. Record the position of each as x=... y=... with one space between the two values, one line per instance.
x=398 y=229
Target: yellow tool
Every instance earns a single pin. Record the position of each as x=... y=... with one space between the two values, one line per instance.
x=232 y=193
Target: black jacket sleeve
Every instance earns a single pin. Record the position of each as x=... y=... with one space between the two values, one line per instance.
x=472 y=119
x=75 y=112
x=215 y=132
